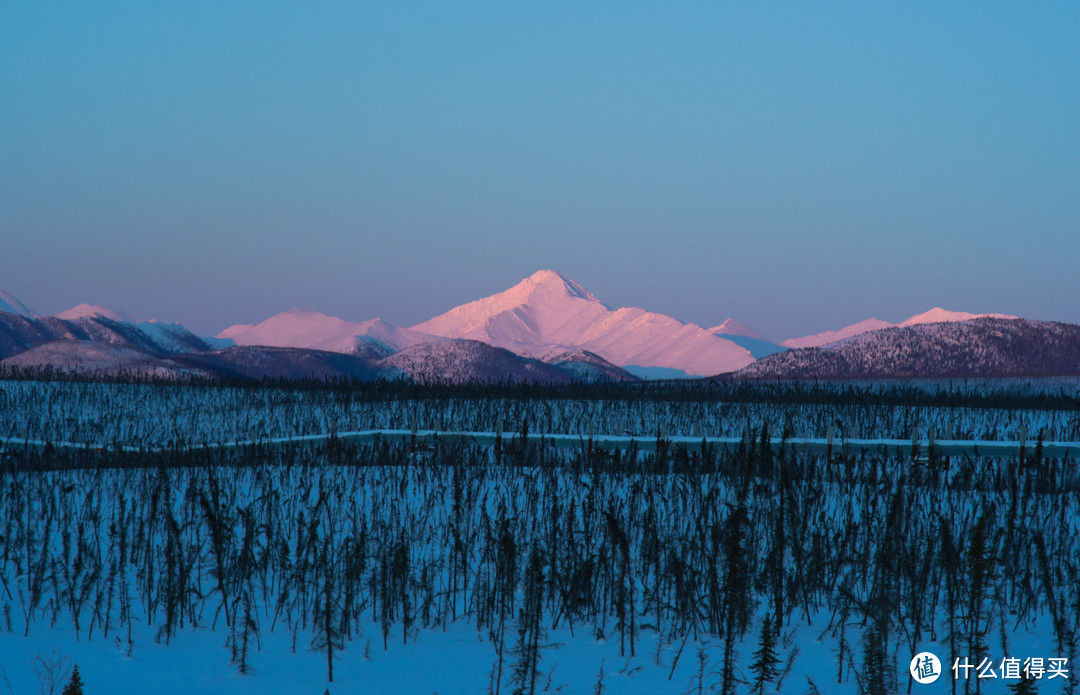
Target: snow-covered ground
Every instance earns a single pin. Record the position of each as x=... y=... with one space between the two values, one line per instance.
x=428 y=569
x=454 y=661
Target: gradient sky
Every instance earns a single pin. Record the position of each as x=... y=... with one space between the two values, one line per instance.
x=799 y=166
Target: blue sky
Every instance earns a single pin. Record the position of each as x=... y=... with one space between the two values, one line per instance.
x=799 y=166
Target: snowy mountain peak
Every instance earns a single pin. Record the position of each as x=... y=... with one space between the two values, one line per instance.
x=85 y=311
x=544 y=305
x=553 y=280
x=732 y=327
x=548 y=310
x=544 y=287
x=939 y=315
x=11 y=304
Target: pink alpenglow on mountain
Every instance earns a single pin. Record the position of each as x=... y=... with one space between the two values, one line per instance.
x=547 y=310
x=306 y=328
x=939 y=315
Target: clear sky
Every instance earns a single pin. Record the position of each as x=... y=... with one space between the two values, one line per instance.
x=799 y=166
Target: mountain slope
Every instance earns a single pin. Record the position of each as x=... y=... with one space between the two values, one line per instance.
x=11 y=304
x=757 y=348
x=19 y=333
x=935 y=315
x=976 y=347
x=545 y=308
x=98 y=357
x=548 y=310
x=585 y=366
x=733 y=327
x=747 y=338
x=470 y=361
x=832 y=336
x=83 y=311
x=939 y=315
x=257 y=362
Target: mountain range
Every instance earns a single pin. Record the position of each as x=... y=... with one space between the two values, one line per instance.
x=545 y=328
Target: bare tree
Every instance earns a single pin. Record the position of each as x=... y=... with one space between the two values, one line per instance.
x=51 y=669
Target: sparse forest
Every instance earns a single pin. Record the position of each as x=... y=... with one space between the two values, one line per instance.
x=729 y=565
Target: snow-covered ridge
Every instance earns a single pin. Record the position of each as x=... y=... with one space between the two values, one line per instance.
x=11 y=304
x=817 y=339
x=970 y=348
x=464 y=361
x=746 y=337
x=939 y=315
x=20 y=333
x=307 y=328
x=98 y=357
